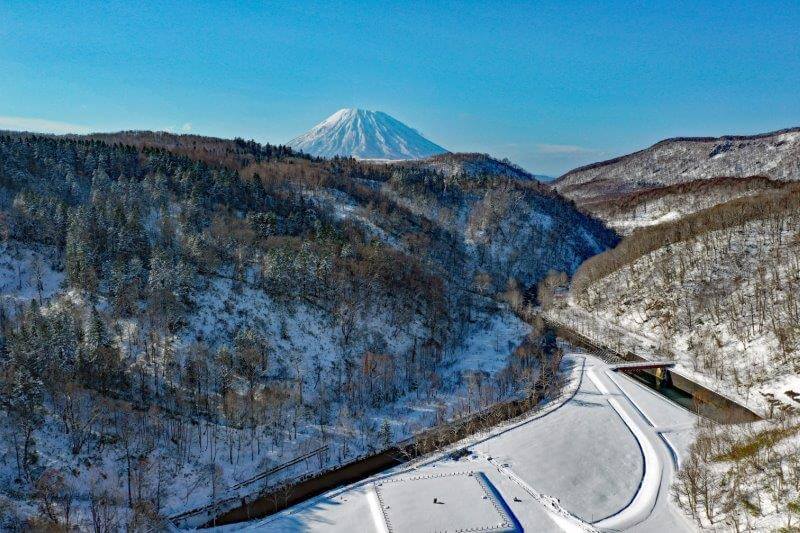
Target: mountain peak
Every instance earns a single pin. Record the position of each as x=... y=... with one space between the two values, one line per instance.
x=365 y=134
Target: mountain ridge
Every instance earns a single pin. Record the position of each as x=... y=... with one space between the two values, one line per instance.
x=670 y=170
x=662 y=142
x=775 y=155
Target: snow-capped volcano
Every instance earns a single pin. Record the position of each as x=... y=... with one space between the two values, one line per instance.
x=365 y=135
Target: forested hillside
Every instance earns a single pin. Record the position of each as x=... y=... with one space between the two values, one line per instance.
x=650 y=207
x=718 y=290
x=470 y=164
x=743 y=478
x=179 y=313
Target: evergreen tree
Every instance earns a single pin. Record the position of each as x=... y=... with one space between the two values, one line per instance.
x=385 y=434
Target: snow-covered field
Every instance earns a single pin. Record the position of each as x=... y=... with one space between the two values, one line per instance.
x=480 y=506
x=601 y=458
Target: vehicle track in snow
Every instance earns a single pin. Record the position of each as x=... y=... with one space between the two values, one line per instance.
x=660 y=458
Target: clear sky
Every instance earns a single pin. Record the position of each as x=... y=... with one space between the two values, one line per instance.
x=550 y=85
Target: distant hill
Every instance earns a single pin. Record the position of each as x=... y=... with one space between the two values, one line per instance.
x=775 y=155
x=614 y=189
x=470 y=164
x=364 y=135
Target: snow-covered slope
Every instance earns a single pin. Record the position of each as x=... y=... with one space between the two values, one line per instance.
x=775 y=155
x=497 y=228
x=365 y=135
x=723 y=303
x=743 y=478
x=657 y=206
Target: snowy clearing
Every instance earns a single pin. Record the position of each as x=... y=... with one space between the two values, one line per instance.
x=26 y=273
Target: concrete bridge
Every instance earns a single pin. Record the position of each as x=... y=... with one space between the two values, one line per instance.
x=644 y=365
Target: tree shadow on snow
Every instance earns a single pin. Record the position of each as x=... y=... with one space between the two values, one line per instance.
x=311 y=514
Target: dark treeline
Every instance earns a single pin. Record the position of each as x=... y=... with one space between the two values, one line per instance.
x=648 y=206
x=642 y=241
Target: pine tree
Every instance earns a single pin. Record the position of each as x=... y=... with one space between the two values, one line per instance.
x=80 y=261
x=22 y=393
x=386 y=434
x=96 y=336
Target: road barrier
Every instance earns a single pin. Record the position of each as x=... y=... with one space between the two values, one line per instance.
x=305 y=487
x=213 y=509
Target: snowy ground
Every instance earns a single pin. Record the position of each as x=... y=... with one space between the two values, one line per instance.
x=26 y=274
x=480 y=505
x=602 y=458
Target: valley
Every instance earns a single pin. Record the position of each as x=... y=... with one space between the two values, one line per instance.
x=399 y=267
x=241 y=305
x=262 y=317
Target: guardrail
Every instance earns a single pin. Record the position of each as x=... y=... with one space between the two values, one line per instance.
x=606 y=353
x=215 y=507
x=649 y=365
x=309 y=485
x=280 y=468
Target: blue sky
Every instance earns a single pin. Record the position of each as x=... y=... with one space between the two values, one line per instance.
x=550 y=85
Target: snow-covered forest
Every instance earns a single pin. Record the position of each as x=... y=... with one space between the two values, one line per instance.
x=719 y=288
x=743 y=478
x=666 y=204
x=180 y=313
